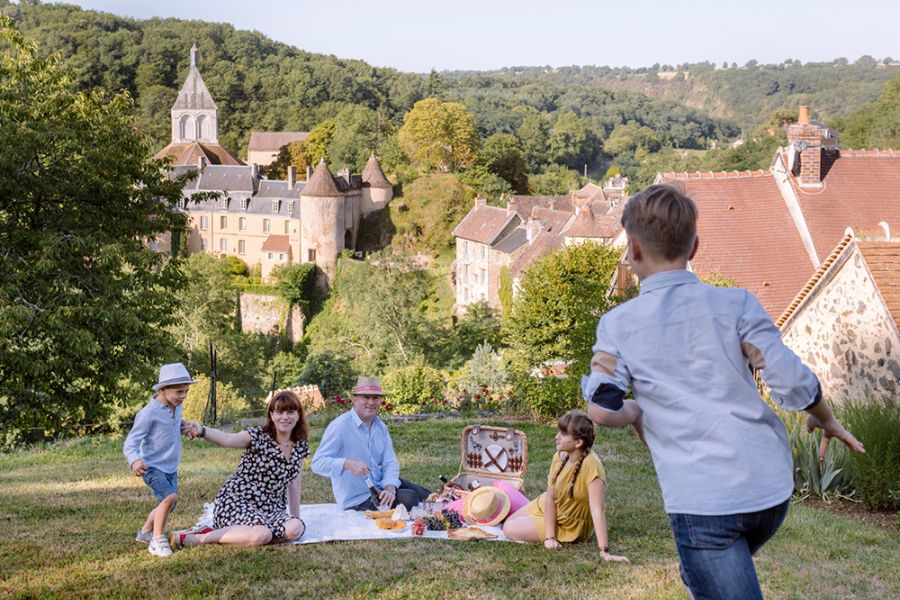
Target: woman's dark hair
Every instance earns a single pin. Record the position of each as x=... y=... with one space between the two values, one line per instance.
x=577 y=424
x=287 y=400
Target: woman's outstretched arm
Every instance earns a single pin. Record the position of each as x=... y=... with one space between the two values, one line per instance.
x=241 y=439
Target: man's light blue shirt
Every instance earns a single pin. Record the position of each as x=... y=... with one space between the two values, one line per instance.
x=155 y=437
x=718 y=448
x=348 y=437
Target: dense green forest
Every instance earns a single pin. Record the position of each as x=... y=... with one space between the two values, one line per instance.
x=561 y=120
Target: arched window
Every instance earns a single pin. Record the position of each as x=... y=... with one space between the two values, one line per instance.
x=185 y=127
x=201 y=124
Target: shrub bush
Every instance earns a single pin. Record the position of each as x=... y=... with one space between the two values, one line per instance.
x=414 y=388
x=547 y=397
x=875 y=474
x=230 y=404
x=333 y=374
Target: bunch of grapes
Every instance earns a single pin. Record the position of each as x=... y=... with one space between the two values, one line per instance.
x=451 y=517
x=434 y=523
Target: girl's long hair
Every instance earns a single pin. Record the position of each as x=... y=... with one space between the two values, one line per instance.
x=287 y=400
x=577 y=424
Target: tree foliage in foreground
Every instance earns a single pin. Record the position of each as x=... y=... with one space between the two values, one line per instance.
x=554 y=319
x=82 y=299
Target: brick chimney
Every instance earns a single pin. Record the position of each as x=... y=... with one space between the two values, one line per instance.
x=291 y=176
x=480 y=202
x=809 y=139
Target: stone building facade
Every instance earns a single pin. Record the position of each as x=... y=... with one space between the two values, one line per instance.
x=262 y=221
x=844 y=323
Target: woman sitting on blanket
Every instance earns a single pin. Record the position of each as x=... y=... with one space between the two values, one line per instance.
x=572 y=507
x=250 y=507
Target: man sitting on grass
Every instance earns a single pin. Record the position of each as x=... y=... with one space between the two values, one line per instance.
x=356 y=447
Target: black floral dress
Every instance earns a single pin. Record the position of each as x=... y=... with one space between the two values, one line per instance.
x=257 y=492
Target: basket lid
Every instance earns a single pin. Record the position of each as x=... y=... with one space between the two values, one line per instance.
x=498 y=452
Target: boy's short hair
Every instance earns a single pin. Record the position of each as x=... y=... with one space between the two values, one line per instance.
x=663 y=219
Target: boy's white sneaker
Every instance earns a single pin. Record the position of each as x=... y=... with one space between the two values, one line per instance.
x=144 y=537
x=160 y=547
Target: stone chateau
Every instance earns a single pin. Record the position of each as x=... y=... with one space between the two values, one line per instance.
x=262 y=221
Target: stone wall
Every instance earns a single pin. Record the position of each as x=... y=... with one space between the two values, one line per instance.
x=846 y=335
x=260 y=313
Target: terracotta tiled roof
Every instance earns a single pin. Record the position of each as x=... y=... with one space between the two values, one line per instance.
x=883 y=260
x=373 y=176
x=187 y=153
x=548 y=239
x=861 y=188
x=817 y=276
x=321 y=184
x=272 y=141
x=523 y=205
x=589 y=225
x=483 y=224
x=276 y=243
x=747 y=234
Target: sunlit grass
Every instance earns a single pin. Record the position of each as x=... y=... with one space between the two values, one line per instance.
x=68 y=513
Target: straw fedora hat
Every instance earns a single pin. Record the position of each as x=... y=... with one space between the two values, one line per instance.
x=368 y=386
x=173 y=374
x=486 y=506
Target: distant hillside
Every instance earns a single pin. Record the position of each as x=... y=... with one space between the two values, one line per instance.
x=261 y=84
x=746 y=94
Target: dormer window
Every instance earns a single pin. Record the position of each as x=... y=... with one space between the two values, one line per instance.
x=290 y=207
x=223 y=203
x=244 y=203
x=275 y=205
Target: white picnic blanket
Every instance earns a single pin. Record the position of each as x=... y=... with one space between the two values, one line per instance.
x=328 y=523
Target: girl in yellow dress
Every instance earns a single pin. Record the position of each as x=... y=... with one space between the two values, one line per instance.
x=573 y=505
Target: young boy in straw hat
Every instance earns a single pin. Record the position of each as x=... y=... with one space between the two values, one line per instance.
x=153 y=450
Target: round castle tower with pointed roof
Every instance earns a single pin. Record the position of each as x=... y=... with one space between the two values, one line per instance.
x=321 y=220
x=377 y=191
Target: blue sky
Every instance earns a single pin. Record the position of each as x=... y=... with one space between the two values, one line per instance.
x=470 y=34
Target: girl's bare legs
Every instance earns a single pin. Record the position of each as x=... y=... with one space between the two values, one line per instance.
x=520 y=527
x=241 y=536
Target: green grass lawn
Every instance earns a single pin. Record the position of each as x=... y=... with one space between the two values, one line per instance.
x=68 y=514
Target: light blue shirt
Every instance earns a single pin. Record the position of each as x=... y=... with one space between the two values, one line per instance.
x=348 y=437
x=155 y=437
x=718 y=448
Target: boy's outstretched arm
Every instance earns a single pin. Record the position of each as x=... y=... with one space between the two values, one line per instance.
x=820 y=416
x=605 y=397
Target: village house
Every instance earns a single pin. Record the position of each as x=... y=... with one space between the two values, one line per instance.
x=844 y=322
x=494 y=244
x=768 y=231
x=261 y=221
x=265 y=145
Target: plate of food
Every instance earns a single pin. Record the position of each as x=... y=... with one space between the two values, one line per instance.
x=379 y=514
x=389 y=524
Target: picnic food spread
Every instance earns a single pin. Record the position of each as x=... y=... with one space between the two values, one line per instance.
x=379 y=514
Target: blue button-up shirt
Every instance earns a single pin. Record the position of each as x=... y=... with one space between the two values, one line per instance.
x=348 y=437
x=155 y=436
x=718 y=448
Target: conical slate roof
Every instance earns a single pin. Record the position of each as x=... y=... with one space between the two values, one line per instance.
x=194 y=93
x=373 y=176
x=321 y=184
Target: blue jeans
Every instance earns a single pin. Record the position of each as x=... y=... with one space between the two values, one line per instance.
x=408 y=494
x=716 y=551
x=162 y=484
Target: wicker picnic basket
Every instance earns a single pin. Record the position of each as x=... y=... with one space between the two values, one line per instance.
x=490 y=454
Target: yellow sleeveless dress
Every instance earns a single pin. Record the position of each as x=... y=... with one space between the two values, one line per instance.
x=573 y=515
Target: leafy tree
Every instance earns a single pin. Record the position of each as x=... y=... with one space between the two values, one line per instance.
x=533 y=134
x=319 y=141
x=83 y=300
x=502 y=155
x=556 y=180
x=485 y=183
x=297 y=285
x=430 y=208
x=357 y=133
x=479 y=325
x=375 y=314
x=439 y=135
x=572 y=142
x=631 y=137
x=332 y=373
x=292 y=154
x=283 y=369
x=229 y=401
x=554 y=319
